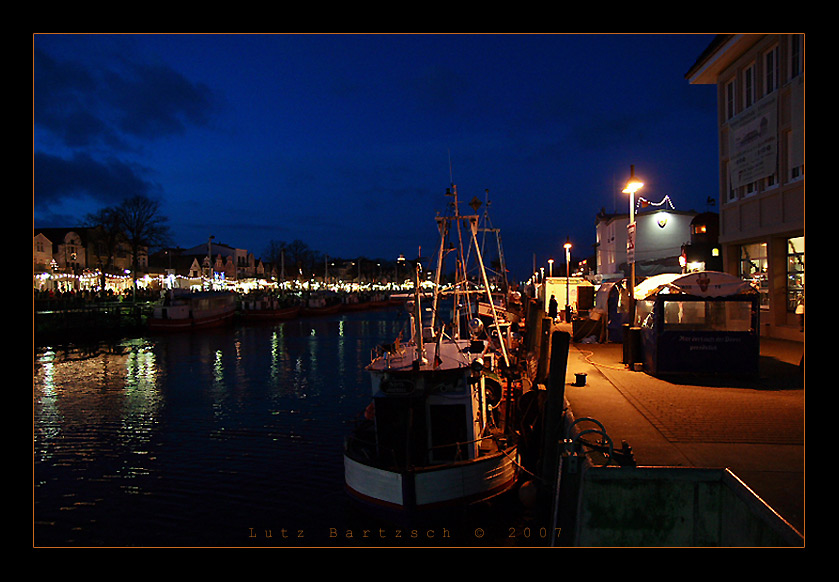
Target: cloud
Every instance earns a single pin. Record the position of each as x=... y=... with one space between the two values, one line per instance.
x=151 y=101
x=106 y=182
x=92 y=123
x=86 y=106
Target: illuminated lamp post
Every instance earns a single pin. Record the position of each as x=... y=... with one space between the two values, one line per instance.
x=567 y=247
x=631 y=187
x=550 y=267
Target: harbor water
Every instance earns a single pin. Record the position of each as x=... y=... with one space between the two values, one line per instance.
x=223 y=438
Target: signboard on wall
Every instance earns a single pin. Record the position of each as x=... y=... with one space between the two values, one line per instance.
x=753 y=142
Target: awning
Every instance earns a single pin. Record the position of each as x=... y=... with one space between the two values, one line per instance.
x=698 y=284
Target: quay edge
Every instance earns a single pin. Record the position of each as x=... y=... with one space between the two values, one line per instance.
x=662 y=498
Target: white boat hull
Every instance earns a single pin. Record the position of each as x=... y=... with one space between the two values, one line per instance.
x=432 y=487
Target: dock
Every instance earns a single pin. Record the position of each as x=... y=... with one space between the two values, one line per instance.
x=746 y=433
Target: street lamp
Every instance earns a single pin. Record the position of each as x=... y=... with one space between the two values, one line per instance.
x=550 y=267
x=567 y=247
x=631 y=188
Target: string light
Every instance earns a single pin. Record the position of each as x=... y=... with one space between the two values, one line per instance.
x=643 y=202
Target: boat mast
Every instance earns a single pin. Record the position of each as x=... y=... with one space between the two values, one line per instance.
x=443 y=226
x=488 y=227
x=473 y=223
x=418 y=339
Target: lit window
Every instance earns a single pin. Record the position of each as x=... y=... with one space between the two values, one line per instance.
x=795 y=272
x=754 y=267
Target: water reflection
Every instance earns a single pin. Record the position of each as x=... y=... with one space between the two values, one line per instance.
x=111 y=395
x=194 y=438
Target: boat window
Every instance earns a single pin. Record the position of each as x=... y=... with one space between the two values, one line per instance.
x=448 y=432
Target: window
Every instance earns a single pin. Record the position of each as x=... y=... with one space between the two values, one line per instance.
x=730 y=110
x=732 y=192
x=448 y=432
x=771 y=70
x=754 y=266
x=796 y=49
x=749 y=86
x=795 y=272
x=794 y=157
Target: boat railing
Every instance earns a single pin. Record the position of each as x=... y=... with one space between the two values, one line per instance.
x=382 y=456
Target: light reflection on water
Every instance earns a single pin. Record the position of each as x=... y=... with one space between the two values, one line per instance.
x=193 y=439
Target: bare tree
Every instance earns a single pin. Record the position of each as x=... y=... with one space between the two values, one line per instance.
x=299 y=254
x=274 y=254
x=143 y=226
x=106 y=235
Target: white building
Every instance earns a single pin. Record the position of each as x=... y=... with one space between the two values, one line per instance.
x=659 y=236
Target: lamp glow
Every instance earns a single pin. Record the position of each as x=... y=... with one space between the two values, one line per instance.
x=633 y=186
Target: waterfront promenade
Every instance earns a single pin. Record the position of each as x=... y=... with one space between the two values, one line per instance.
x=754 y=427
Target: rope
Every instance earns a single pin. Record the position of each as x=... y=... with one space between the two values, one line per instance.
x=595 y=364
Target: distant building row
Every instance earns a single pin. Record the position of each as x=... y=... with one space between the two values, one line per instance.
x=74 y=252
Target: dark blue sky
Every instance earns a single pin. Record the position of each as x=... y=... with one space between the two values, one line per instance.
x=345 y=141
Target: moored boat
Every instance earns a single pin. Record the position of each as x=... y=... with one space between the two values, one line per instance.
x=439 y=429
x=183 y=311
x=321 y=304
x=269 y=309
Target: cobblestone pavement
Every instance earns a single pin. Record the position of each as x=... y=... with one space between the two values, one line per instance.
x=753 y=426
x=768 y=409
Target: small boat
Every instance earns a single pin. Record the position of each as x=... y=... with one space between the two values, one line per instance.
x=364 y=301
x=183 y=311
x=268 y=309
x=355 y=302
x=439 y=430
x=321 y=304
x=379 y=301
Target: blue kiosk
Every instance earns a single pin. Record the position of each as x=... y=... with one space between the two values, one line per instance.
x=704 y=322
x=612 y=302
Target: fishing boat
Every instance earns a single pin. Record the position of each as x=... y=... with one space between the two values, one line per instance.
x=439 y=429
x=184 y=310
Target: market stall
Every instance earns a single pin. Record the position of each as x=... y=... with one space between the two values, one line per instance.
x=703 y=322
x=605 y=321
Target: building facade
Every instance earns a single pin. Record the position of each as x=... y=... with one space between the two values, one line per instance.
x=660 y=236
x=70 y=258
x=760 y=101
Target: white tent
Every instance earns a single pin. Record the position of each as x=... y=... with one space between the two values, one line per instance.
x=698 y=284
